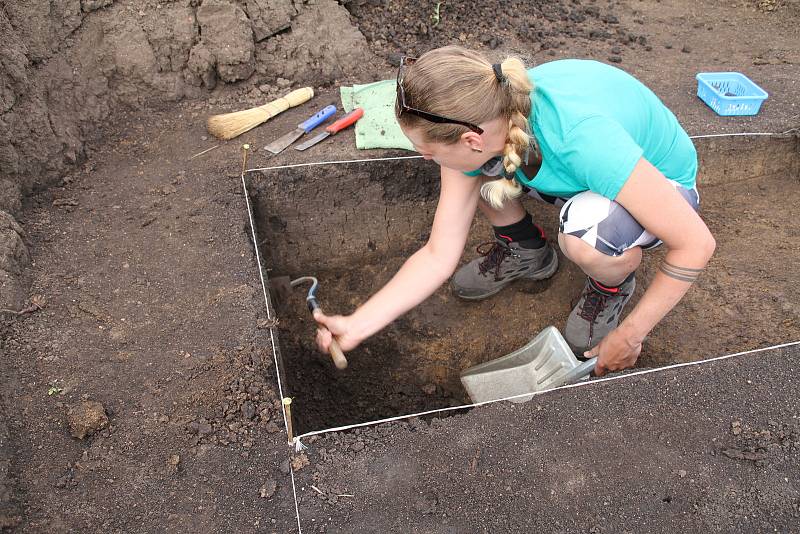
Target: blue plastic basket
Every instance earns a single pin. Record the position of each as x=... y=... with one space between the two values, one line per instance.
x=730 y=93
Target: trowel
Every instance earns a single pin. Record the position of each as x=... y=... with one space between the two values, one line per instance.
x=303 y=128
x=281 y=288
x=348 y=120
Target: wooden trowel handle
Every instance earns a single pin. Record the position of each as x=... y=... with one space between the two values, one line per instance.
x=338 y=356
x=295 y=98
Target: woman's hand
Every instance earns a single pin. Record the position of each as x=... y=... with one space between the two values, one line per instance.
x=618 y=350
x=335 y=325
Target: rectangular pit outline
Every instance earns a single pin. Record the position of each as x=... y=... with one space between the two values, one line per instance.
x=296 y=440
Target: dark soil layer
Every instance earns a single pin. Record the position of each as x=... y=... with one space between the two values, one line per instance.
x=712 y=448
x=533 y=26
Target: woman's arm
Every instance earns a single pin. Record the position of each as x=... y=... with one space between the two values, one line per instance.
x=661 y=210
x=421 y=274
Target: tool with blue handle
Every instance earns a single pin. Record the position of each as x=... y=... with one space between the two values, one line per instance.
x=304 y=127
x=341 y=124
x=280 y=287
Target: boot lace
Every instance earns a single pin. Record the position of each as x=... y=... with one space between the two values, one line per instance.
x=594 y=303
x=494 y=257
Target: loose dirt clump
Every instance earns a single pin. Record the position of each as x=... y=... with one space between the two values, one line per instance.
x=86 y=418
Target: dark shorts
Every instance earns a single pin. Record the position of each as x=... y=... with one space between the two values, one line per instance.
x=604 y=224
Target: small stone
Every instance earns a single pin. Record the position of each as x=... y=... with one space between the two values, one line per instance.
x=736 y=428
x=268 y=489
x=668 y=46
x=686 y=49
x=357 y=446
x=299 y=462
x=283 y=83
x=204 y=429
x=682 y=473
x=172 y=463
x=248 y=410
x=615 y=59
x=86 y=418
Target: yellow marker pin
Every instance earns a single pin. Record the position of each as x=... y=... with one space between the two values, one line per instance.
x=245 y=148
x=287 y=413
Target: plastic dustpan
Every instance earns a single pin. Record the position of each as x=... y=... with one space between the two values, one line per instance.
x=545 y=363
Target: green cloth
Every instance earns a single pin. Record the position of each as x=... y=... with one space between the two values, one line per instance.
x=378 y=127
x=593 y=122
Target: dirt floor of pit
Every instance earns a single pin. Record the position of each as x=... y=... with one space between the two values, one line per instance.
x=154 y=306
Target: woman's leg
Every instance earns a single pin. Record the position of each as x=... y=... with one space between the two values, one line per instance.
x=608 y=270
x=511 y=212
x=606 y=242
x=519 y=250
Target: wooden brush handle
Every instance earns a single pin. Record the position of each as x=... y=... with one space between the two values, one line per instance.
x=295 y=98
x=338 y=356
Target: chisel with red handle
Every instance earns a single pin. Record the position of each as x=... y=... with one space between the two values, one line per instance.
x=341 y=124
x=303 y=128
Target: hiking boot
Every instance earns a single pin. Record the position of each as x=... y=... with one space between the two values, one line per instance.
x=502 y=263
x=596 y=314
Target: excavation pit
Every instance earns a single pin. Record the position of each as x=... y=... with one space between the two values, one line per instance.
x=352 y=226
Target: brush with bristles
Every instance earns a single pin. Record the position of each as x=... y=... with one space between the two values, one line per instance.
x=229 y=125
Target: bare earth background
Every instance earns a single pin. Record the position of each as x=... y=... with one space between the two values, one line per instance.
x=152 y=344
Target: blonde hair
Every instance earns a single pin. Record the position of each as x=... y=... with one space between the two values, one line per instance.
x=460 y=83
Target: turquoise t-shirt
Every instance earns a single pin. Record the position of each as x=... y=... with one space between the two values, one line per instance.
x=593 y=122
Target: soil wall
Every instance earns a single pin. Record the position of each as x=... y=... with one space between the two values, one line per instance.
x=328 y=215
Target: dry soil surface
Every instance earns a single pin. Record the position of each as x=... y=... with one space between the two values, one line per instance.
x=154 y=310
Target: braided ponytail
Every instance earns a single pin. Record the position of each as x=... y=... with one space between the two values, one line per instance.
x=514 y=81
x=455 y=82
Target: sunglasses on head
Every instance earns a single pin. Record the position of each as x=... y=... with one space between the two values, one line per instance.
x=432 y=117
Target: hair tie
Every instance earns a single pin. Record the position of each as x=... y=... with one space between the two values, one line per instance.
x=498 y=72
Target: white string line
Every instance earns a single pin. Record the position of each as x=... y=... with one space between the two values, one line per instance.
x=311 y=163
x=272 y=341
x=579 y=384
x=296 y=506
x=791 y=130
x=266 y=299
x=315 y=163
